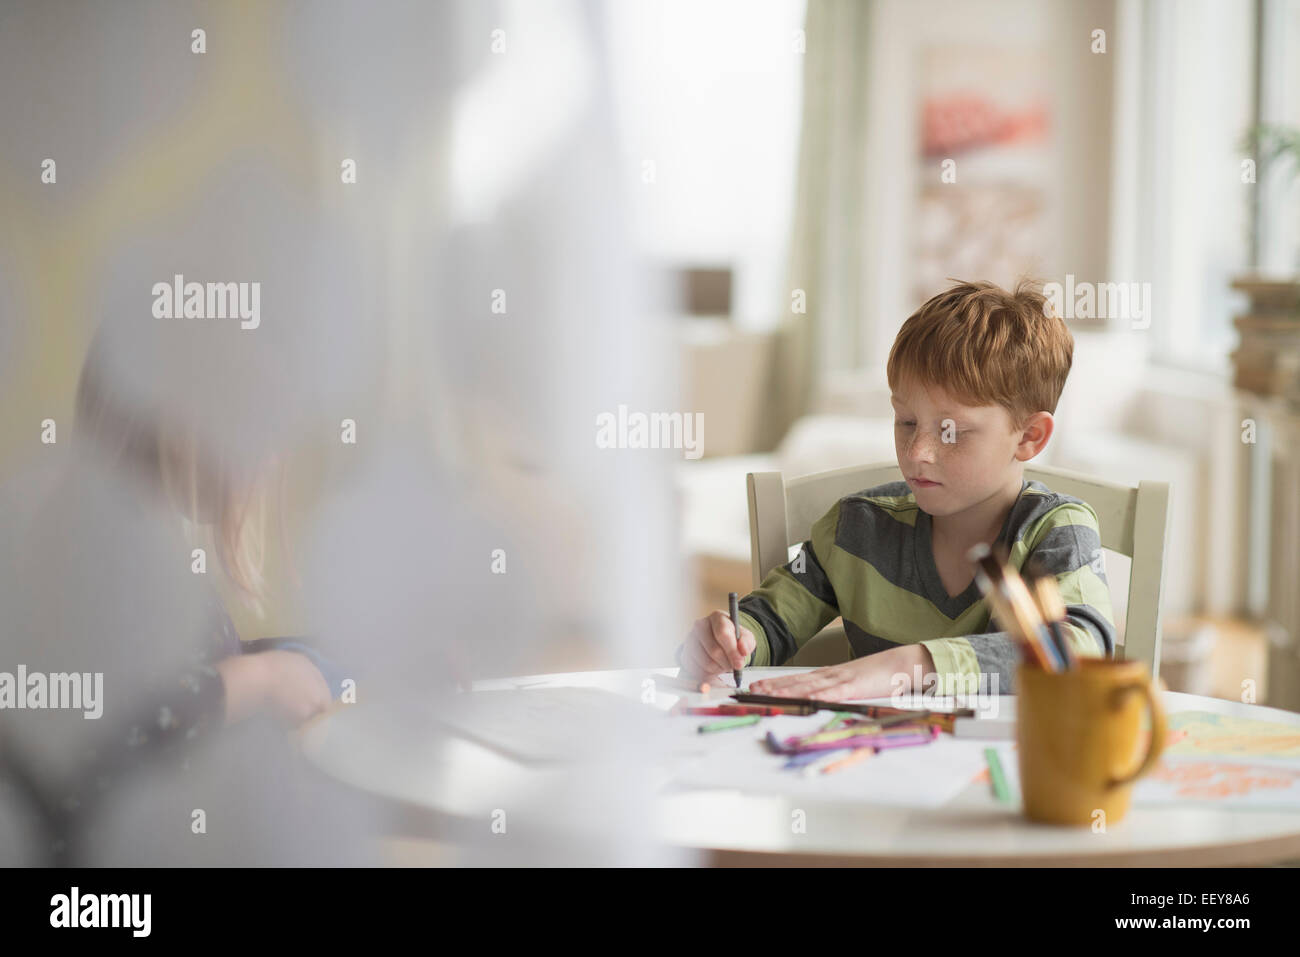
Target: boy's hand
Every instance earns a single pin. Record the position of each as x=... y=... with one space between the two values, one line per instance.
x=874 y=676
x=712 y=647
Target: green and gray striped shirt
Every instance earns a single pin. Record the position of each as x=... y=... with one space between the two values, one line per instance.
x=869 y=560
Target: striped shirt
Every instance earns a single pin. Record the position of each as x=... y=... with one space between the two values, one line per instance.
x=869 y=560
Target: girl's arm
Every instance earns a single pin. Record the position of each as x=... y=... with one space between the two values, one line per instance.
x=287 y=684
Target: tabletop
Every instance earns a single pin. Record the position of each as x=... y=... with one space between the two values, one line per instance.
x=719 y=801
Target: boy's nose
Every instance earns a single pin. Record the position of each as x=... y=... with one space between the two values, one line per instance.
x=921 y=448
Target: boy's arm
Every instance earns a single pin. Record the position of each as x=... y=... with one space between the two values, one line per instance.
x=1066 y=544
x=795 y=601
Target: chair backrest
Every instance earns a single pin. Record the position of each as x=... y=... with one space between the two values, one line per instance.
x=1134 y=522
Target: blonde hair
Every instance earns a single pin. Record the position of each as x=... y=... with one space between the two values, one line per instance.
x=987 y=346
x=207 y=486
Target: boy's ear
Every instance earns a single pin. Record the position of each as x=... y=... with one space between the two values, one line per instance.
x=1034 y=434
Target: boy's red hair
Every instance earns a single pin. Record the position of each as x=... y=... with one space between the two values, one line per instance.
x=984 y=345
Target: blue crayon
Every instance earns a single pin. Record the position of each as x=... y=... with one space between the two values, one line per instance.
x=807 y=757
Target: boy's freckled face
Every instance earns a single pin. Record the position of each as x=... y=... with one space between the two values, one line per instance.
x=952 y=455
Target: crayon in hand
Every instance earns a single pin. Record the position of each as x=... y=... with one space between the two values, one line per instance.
x=733 y=600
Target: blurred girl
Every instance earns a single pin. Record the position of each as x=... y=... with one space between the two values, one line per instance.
x=206 y=488
x=162 y=459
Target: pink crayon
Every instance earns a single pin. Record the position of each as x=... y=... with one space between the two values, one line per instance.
x=879 y=740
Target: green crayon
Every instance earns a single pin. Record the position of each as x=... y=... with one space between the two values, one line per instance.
x=728 y=723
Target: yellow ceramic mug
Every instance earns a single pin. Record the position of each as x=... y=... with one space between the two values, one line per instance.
x=1077 y=735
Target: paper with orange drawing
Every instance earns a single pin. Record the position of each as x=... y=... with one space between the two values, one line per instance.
x=1239 y=785
x=1206 y=734
x=1225 y=760
x=1225 y=783
x=1212 y=759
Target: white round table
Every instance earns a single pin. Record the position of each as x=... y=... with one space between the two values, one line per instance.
x=455 y=779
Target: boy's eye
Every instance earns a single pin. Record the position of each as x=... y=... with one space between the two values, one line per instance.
x=905 y=424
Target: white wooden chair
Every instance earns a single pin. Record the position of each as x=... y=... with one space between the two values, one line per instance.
x=1133 y=522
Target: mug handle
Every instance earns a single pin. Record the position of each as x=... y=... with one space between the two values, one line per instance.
x=1159 y=731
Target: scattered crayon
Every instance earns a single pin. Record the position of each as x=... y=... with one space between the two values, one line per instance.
x=996 y=777
x=945 y=722
x=765 y=711
x=881 y=739
x=824 y=760
x=806 y=759
x=854 y=757
x=840 y=718
x=726 y=724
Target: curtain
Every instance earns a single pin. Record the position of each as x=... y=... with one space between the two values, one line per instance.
x=828 y=244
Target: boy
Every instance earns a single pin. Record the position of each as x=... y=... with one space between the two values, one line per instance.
x=975 y=375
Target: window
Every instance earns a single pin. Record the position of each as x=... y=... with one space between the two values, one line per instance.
x=707 y=95
x=1183 y=220
x=1279 y=95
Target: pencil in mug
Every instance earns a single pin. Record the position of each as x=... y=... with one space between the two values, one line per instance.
x=1011 y=605
x=1052 y=609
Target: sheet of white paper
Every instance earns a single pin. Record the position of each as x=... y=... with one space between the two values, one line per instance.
x=925 y=776
x=535 y=723
x=551 y=724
